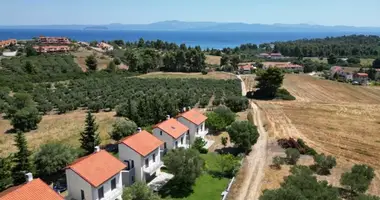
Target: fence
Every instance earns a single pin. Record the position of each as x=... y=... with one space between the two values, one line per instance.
x=225 y=192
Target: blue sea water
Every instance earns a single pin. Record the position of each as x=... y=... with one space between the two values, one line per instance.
x=216 y=40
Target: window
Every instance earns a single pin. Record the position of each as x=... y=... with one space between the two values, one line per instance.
x=81 y=194
x=154 y=157
x=147 y=162
x=113 y=184
x=133 y=179
x=133 y=164
x=165 y=145
x=181 y=140
x=127 y=163
x=176 y=143
x=197 y=130
x=100 y=193
x=160 y=132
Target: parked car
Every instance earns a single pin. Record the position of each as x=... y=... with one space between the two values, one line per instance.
x=355 y=83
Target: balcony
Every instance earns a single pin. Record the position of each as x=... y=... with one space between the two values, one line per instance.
x=114 y=194
x=201 y=133
x=153 y=167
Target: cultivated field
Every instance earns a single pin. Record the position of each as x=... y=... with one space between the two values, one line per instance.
x=213 y=60
x=334 y=118
x=82 y=53
x=64 y=128
x=211 y=75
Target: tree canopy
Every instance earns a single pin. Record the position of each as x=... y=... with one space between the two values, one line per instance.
x=269 y=82
x=243 y=134
x=21 y=160
x=91 y=62
x=89 y=138
x=359 y=179
x=220 y=118
x=122 y=128
x=139 y=191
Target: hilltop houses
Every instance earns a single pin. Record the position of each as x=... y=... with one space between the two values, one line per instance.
x=271 y=55
x=104 y=46
x=246 y=69
x=33 y=189
x=96 y=176
x=51 y=49
x=53 y=40
x=288 y=66
x=5 y=43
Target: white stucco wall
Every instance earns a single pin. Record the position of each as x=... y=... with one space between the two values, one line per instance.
x=170 y=141
x=126 y=153
x=192 y=127
x=75 y=184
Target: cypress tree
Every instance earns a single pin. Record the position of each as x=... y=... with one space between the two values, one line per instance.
x=21 y=160
x=5 y=173
x=89 y=138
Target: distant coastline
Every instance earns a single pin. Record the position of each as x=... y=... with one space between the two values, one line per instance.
x=96 y=28
x=205 y=39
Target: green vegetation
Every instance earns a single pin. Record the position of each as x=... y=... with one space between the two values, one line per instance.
x=323 y=164
x=53 y=158
x=220 y=118
x=122 y=128
x=292 y=156
x=359 y=179
x=199 y=144
x=269 y=83
x=186 y=165
x=237 y=103
x=243 y=134
x=139 y=191
x=21 y=160
x=345 y=46
x=5 y=173
x=89 y=138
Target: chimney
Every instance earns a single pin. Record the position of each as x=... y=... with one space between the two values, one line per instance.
x=96 y=149
x=29 y=177
x=167 y=116
x=188 y=108
x=184 y=109
x=138 y=129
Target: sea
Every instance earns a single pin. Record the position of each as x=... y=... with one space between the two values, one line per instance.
x=204 y=39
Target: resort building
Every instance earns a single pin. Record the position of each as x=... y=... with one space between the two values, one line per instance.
x=51 y=49
x=53 y=40
x=5 y=43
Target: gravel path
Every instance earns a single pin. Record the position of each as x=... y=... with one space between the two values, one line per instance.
x=250 y=188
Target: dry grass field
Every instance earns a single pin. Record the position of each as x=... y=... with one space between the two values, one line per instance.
x=210 y=75
x=363 y=61
x=63 y=128
x=82 y=53
x=334 y=118
x=213 y=60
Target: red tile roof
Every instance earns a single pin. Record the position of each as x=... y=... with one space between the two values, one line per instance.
x=361 y=74
x=246 y=67
x=172 y=127
x=194 y=116
x=97 y=168
x=34 y=190
x=143 y=142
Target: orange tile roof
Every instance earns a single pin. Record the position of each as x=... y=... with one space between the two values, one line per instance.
x=143 y=142
x=97 y=168
x=194 y=116
x=173 y=127
x=34 y=190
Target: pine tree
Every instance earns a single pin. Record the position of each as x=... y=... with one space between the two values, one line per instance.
x=89 y=137
x=21 y=160
x=5 y=173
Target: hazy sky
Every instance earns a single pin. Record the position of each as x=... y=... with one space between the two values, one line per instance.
x=325 y=12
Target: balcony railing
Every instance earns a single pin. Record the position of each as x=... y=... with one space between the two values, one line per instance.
x=114 y=193
x=153 y=167
x=201 y=133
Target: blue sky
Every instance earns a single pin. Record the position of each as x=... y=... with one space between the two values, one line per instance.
x=324 y=12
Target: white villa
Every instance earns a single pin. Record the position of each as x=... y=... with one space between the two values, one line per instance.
x=94 y=177
x=142 y=153
x=33 y=189
x=172 y=133
x=196 y=122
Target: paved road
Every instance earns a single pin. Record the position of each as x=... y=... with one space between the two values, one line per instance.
x=251 y=187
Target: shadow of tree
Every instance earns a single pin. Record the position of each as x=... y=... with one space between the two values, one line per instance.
x=175 y=190
x=230 y=150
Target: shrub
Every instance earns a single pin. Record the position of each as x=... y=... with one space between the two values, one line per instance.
x=117 y=61
x=220 y=118
x=122 y=128
x=224 y=141
x=203 y=151
x=204 y=72
x=198 y=144
x=228 y=165
x=277 y=162
x=323 y=164
x=237 y=103
x=358 y=179
x=292 y=156
x=308 y=150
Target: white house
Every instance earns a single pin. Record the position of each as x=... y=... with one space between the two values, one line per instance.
x=33 y=189
x=141 y=152
x=95 y=177
x=173 y=133
x=196 y=122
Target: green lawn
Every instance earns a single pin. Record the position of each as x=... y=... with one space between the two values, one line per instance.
x=207 y=187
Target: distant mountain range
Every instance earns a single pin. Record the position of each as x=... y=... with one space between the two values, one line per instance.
x=206 y=26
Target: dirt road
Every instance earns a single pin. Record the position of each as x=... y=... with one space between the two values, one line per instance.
x=255 y=161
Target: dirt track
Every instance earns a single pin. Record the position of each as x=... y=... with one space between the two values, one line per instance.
x=255 y=162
